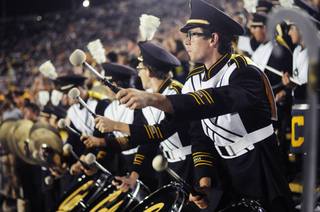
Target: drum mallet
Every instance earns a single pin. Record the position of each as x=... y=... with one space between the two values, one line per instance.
x=160 y=163
x=68 y=149
x=78 y=58
x=63 y=125
x=74 y=93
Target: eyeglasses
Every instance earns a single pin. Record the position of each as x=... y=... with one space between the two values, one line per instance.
x=190 y=34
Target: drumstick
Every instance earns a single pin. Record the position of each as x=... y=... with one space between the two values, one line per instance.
x=63 y=125
x=68 y=149
x=74 y=93
x=160 y=163
x=279 y=73
x=78 y=57
x=92 y=160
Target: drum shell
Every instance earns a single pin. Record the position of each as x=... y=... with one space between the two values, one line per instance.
x=170 y=197
x=76 y=191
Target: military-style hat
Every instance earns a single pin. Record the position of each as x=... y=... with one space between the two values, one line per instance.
x=157 y=57
x=65 y=83
x=264 y=6
x=118 y=72
x=258 y=20
x=49 y=110
x=208 y=16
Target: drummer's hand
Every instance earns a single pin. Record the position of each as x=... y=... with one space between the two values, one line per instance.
x=201 y=201
x=104 y=125
x=75 y=168
x=280 y=96
x=134 y=99
x=91 y=141
x=128 y=182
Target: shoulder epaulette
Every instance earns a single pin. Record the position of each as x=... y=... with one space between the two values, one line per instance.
x=240 y=60
x=197 y=70
x=96 y=95
x=176 y=85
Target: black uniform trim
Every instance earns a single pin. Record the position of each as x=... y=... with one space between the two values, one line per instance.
x=216 y=67
x=195 y=71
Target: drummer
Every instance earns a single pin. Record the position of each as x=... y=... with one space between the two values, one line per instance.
x=154 y=70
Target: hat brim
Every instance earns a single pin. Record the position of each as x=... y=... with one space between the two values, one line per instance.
x=187 y=27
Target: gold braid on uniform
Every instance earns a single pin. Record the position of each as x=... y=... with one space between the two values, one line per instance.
x=153 y=132
x=138 y=159
x=202 y=159
x=202 y=97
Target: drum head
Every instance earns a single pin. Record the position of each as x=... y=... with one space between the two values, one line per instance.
x=164 y=199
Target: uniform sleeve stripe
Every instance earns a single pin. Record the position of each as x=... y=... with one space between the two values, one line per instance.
x=206 y=95
x=204 y=161
x=209 y=96
x=196 y=93
x=156 y=131
x=139 y=156
x=159 y=132
x=195 y=97
x=206 y=153
x=151 y=133
x=146 y=127
x=208 y=156
x=203 y=164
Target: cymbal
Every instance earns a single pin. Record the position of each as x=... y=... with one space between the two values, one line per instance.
x=44 y=135
x=99 y=92
x=5 y=128
x=20 y=141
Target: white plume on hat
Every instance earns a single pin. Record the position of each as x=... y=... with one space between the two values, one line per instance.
x=48 y=70
x=148 y=26
x=97 y=51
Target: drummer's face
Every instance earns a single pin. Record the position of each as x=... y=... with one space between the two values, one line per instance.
x=29 y=114
x=143 y=73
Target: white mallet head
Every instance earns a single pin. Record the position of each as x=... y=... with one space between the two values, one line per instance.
x=74 y=93
x=67 y=148
x=62 y=123
x=159 y=163
x=77 y=58
x=90 y=158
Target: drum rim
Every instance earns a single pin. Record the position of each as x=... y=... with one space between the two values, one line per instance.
x=180 y=190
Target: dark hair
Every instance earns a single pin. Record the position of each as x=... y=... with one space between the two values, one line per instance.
x=33 y=107
x=225 y=41
x=159 y=74
x=112 y=56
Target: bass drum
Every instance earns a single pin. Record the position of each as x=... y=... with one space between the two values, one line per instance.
x=116 y=200
x=170 y=197
x=244 y=205
x=75 y=193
